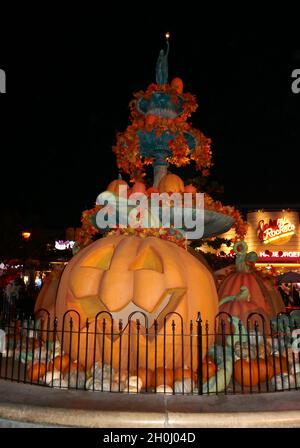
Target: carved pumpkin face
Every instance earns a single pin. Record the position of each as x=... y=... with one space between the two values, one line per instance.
x=127 y=274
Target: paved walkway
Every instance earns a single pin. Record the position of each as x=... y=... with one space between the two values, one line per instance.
x=22 y=405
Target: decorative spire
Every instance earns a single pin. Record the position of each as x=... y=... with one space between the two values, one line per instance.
x=162 y=65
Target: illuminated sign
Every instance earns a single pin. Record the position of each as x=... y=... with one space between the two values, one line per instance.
x=279 y=254
x=63 y=245
x=275 y=230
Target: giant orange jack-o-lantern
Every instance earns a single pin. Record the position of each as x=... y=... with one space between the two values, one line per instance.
x=122 y=274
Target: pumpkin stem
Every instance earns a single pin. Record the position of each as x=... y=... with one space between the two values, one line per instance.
x=226 y=299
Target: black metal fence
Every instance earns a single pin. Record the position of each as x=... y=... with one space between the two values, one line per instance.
x=168 y=357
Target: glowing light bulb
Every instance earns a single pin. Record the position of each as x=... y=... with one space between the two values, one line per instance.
x=167 y=35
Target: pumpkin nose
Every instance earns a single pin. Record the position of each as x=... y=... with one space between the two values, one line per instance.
x=116 y=294
x=149 y=286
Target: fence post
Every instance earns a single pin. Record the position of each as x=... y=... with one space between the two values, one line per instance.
x=191 y=355
x=86 y=349
x=155 y=353
x=199 y=354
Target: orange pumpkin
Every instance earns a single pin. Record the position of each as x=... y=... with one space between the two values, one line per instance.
x=138 y=187
x=163 y=377
x=152 y=190
x=260 y=298
x=121 y=274
x=171 y=183
x=190 y=189
x=274 y=367
x=36 y=371
x=113 y=187
x=61 y=363
x=242 y=374
x=177 y=85
x=207 y=366
x=187 y=374
x=74 y=366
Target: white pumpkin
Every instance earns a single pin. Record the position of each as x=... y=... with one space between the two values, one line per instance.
x=51 y=376
x=131 y=390
x=252 y=338
x=294 y=368
x=242 y=350
x=75 y=380
x=134 y=382
x=165 y=389
x=99 y=371
x=106 y=385
x=285 y=381
x=278 y=346
x=63 y=384
x=98 y=384
x=186 y=387
x=93 y=384
x=8 y=354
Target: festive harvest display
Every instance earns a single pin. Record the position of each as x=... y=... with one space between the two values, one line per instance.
x=127 y=303
x=243 y=361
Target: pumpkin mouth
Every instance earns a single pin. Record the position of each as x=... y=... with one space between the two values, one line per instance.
x=168 y=302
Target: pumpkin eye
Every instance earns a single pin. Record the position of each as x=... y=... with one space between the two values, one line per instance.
x=148 y=259
x=100 y=258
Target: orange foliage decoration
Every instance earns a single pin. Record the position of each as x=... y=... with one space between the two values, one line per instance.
x=217 y=206
x=126 y=148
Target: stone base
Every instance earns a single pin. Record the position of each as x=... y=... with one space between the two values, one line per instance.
x=46 y=407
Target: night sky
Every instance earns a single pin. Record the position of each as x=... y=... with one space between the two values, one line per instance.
x=68 y=89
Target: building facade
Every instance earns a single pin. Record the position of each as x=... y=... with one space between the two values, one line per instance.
x=274 y=236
